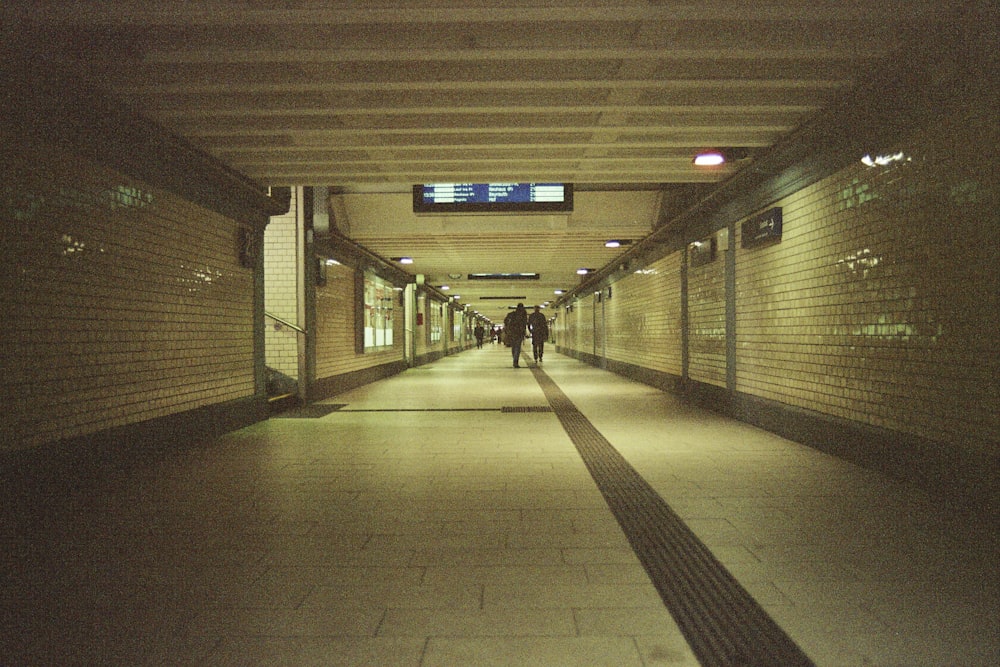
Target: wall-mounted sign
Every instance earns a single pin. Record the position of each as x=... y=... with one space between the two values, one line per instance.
x=248 y=246
x=762 y=229
x=702 y=252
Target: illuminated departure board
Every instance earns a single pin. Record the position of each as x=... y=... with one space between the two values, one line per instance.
x=492 y=197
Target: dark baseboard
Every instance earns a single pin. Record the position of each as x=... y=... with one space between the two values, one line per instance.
x=585 y=357
x=659 y=379
x=32 y=476
x=277 y=404
x=960 y=478
x=428 y=357
x=964 y=480
x=336 y=384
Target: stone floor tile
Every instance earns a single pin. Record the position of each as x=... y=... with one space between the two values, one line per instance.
x=317 y=652
x=520 y=652
x=497 y=622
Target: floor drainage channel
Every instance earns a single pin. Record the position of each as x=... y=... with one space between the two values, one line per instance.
x=721 y=621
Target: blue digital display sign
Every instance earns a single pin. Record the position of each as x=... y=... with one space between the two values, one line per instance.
x=492 y=197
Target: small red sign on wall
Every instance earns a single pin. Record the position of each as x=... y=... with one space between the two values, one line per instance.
x=420 y=319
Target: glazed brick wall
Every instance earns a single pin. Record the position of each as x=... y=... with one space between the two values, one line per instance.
x=281 y=288
x=707 y=320
x=421 y=332
x=456 y=334
x=575 y=331
x=879 y=304
x=565 y=329
x=643 y=317
x=586 y=311
x=123 y=302
x=432 y=311
x=335 y=309
x=641 y=321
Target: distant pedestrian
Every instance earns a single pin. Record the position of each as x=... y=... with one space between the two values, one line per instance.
x=480 y=333
x=514 y=326
x=539 y=327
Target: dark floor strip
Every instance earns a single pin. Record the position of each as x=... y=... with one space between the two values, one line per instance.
x=505 y=409
x=721 y=621
x=423 y=410
x=312 y=411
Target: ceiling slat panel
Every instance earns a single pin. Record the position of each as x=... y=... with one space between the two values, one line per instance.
x=387 y=93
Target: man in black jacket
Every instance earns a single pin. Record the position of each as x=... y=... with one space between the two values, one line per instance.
x=539 y=328
x=514 y=326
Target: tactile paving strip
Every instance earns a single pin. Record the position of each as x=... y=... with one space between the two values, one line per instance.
x=721 y=621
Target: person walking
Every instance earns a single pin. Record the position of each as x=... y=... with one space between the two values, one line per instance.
x=514 y=326
x=539 y=328
x=480 y=332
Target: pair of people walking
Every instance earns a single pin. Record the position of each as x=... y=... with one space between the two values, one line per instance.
x=516 y=325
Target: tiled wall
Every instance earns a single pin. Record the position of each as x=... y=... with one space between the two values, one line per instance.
x=335 y=328
x=281 y=288
x=422 y=324
x=707 y=320
x=456 y=330
x=122 y=302
x=644 y=317
x=879 y=304
x=576 y=329
x=434 y=315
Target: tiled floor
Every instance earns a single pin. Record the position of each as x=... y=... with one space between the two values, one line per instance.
x=419 y=525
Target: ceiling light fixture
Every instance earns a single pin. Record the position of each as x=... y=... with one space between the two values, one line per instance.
x=883 y=160
x=504 y=276
x=402 y=260
x=583 y=272
x=709 y=159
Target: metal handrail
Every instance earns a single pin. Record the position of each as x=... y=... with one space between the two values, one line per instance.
x=285 y=322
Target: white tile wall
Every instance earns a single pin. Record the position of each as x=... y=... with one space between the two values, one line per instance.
x=281 y=289
x=644 y=317
x=123 y=302
x=335 y=309
x=881 y=303
x=707 y=322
